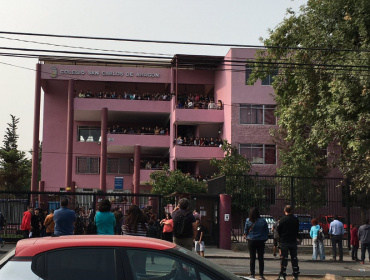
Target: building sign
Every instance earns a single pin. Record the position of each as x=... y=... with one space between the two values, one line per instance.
x=118 y=183
x=54 y=72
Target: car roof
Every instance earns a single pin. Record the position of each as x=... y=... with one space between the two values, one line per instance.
x=33 y=246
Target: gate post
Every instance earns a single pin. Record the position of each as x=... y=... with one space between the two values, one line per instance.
x=225 y=222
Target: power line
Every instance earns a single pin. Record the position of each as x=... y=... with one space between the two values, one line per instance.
x=178 y=42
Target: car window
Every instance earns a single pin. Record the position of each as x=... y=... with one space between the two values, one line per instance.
x=151 y=265
x=80 y=264
x=18 y=270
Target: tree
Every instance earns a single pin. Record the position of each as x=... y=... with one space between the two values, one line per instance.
x=15 y=168
x=322 y=87
x=166 y=182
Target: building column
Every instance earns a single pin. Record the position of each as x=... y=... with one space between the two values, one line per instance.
x=36 y=130
x=137 y=173
x=103 y=150
x=41 y=196
x=225 y=221
x=69 y=150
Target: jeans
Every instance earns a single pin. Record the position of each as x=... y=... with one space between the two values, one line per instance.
x=285 y=249
x=365 y=246
x=318 y=248
x=256 y=246
x=354 y=253
x=337 y=239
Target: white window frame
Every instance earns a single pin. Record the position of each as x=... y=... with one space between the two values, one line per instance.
x=241 y=106
x=263 y=152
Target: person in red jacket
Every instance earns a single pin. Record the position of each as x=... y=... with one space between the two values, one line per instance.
x=354 y=242
x=26 y=222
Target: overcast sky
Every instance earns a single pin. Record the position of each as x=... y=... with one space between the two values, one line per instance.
x=211 y=21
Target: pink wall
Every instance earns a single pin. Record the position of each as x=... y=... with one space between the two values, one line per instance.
x=199 y=116
x=54 y=137
x=223 y=92
x=204 y=77
x=186 y=152
x=122 y=105
x=142 y=140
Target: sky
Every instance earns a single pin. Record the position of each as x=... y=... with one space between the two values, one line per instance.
x=206 y=21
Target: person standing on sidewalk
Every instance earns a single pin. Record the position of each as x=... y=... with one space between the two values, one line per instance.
x=354 y=242
x=336 y=232
x=198 y=241
x=64 y=219
x=364 y=237
x=2 y=225
x=256 y=232
x=184 y=225
x=26 y=222
x=276 y=237
x=289 y=235
x=318 y=245
x=49 y=223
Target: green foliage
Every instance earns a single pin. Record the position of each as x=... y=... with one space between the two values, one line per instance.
x=15 y=168
x=166 y=182
x=322 y=95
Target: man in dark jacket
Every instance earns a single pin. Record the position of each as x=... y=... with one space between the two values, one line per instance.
x=364 y=237
x=185 y=236
x=288 y=233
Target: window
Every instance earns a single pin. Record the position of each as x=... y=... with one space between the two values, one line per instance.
x=259 y=153
x=97 y=263
x=257 y=114
x=269 y=79
x=141 y=262
x=118 y=166
x=265 y=82
x=87 y=165
x=88 y=133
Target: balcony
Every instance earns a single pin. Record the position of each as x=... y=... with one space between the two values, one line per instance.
x=124 y=105
x=197 y=153
x=198 y=116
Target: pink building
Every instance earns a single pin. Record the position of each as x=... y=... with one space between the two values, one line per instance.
x=93 y=143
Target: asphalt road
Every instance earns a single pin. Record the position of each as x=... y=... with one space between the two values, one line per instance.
x=272 y=267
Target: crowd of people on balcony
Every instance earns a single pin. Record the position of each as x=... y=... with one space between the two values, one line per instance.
x=151 y=164
x=197 y=101
x=126 y=95
x=184 y=101
x=116 y=129
x=201 y=142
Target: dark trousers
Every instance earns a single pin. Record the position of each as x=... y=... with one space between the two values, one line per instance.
x=256 y=246
x=337 y=239
x=354 y=253
x=26 y=233
x=286 y=249
x=365 y=246
x=168 y=236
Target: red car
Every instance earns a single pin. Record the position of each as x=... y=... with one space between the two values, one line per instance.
x=325 y=220
x=92 y=257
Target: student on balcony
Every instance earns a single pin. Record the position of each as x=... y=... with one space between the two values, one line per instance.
x=212 y=105
x=197 y=141
x=185 y=142
x=212 y=142
x=219 y=105
x=100 y=95
x=81 y=94
x=156 y=131
x=161 y=131
x=179 y=141
x=190 y=104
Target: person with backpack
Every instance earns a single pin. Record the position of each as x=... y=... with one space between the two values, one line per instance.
x=2 y=225
x=317 y=236
x=184 y=225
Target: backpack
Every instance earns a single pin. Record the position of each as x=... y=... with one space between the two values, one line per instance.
x=179 y=224
x=320 y=235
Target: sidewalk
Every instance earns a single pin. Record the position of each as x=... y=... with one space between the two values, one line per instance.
x=303 y=254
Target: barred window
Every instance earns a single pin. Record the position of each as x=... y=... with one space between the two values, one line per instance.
x=259 y=153
x=257 y=114
x=87 y=165
x=118 y=166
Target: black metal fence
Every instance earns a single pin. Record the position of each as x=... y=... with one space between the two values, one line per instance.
x=13 y=205
x=311 y=198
